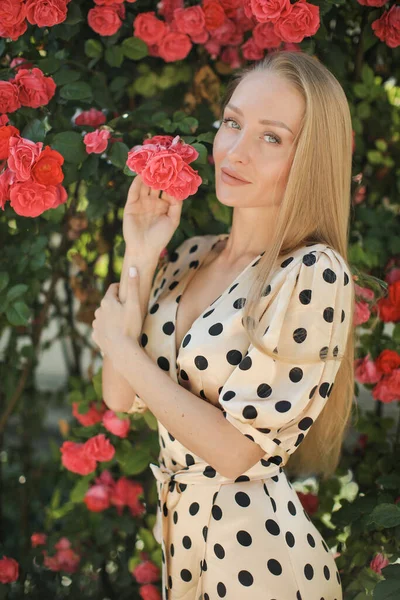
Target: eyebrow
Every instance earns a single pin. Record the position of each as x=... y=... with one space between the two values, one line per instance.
x=263 y=121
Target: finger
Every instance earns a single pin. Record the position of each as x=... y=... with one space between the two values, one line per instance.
x=112 y=290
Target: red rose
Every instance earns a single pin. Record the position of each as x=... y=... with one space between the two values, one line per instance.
x=265 y=36
x=230 y=7
x=185 y=184
x=61 y=195
x=104 y=20
x=174 y=46
x=190 y=20
x=9 y=98
x=22 y=155
x=126 y=493
x=387 y=28
x=91 y=417
x=270 y=11
x=214 y=14
x=99 y=448
x=91 y=117
x=387 y=361
x=31 y=199
x=96 y=141
x=19 y=62
x=167 y=8
x=148 y=28
x=46 y=13
x=47 y=168
x=12 y=19
x=302 y=21
x=5 y=133
x=34 y=88
x=76 y=459
x=251 y=51
x=309 y=502
x=38 y=539
x=388 y=388
x=9 y=570
x=163 y=140
x=146 y=572
x=115 y=425
x=97 y=498
x=149 y=592
x=139 y=156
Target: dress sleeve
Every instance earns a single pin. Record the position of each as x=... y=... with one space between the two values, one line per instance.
x=272 y=402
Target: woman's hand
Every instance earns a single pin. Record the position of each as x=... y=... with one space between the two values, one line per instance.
x=114 y=321
x=149 y=220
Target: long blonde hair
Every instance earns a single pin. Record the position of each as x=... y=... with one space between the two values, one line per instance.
x=314 y=209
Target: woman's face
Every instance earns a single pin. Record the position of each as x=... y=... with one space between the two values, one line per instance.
x=258 y=152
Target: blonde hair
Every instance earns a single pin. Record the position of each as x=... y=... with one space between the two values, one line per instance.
x=313 y=210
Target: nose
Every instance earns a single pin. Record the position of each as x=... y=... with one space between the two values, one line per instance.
x=239 y=150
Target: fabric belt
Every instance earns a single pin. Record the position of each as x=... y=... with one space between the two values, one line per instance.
x=194 y=474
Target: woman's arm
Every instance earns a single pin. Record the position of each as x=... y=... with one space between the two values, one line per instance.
x=117 y=392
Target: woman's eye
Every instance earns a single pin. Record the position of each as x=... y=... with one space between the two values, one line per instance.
x=230 y=120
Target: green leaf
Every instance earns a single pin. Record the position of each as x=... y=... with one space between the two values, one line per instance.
x=34 y=131
x=206 y=137
x=70 y=145
x=132 y=459
x=114 y=56
x=97 y=384
x=78 y=90
x=18 y=313
x=150 y=420
x=385 y=515
x=389 y=589
x=74 y=15
x=202 y=150
x=118 y=154
x=4 y=279
x=148 y=539
x=93 y=48
x=134 y=48
x=49 y=64
x=79 y=490
x=65 y=76
x=15 y=291
x=189 y=125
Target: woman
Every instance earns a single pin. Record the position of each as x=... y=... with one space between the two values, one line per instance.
x=263 y=343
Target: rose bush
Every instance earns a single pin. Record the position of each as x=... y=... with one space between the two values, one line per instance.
x=90 y=94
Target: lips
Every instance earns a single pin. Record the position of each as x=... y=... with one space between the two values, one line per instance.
x=233 y=174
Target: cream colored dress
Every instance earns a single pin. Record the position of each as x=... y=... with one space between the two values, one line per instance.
x=249 y=538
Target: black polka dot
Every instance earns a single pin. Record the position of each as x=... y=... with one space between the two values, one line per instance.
x=194 y=508
x=272 y=527
x=186 y=575
x=216 y=512
x=244 y=538
x=291 y=508
x=283 y=406
x=305 y=423
x=201 y=362
x=327 y=573
x=299 y=335
x=310 y=540
x=242 y=499
x=219 y=551
x=308 y=571
x=296 y=374
x=186 y=542
x=245 y=578
x=234 y=357
x=289 y=537
x=274 y=566
x=221 y=590
x=216 y=329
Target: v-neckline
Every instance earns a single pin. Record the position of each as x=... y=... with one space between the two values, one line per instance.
x=187 y=277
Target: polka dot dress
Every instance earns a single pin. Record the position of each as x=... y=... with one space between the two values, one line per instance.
x=248 y=538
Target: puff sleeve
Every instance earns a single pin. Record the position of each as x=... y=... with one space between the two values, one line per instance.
x=273 y=402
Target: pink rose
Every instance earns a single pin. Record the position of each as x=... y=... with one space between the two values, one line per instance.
x=270 y=11
x=146 y=572
x=12 y=19
x=213 y=47
x=9 y=98
x=185 y=184
x=34 y=88
x=265 y=36
x=149 y=592
x=163 y=140
x=366 y=371
x=139 y=156
x=148 y=28
x=97 y=498
x=226 y=33
x=201 y=37
x=190 y=20
x=64 y=560
x=388 y=388
x=22 y=155
x=251 y=51
x=174 y=46
x=6 y=180
x=300 y=22
x=104 y=20
x=362 y=313
x=387 y=27
x=393 y=275
x=230 y=6
x=91 y=417
x=97 y=141
x=92 y=117
x=167 y=8
x=376 y=3
x=60 y=195
x=38 y=539
x=46 y=13
x=115 y=425
x=378 y=563
x=230 y=56
x=162 y=169
x=75 y=458
x=19 y=62
x=99 y=448
x=31 y=199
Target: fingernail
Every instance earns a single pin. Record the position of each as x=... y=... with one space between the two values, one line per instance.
x=132 y=271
